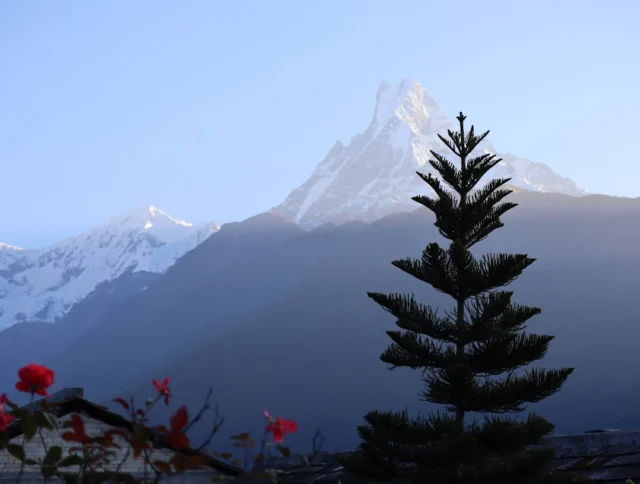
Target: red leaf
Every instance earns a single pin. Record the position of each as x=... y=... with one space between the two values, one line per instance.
x=77 y=424
x=71 y=437
x=163 y=466
x=180 y=419
x=139 y=447
x=122 y=402
x=178 y=440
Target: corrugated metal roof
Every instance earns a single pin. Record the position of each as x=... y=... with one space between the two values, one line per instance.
x=321 y=468
x=607 y=456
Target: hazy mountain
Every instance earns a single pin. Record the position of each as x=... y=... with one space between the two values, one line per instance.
x=374 y=174
x=273 y=316
x=42 y=285
x=198 y=293
x=35 y=341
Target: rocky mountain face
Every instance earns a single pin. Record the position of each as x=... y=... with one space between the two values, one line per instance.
x=42 y=285
x=374 y=175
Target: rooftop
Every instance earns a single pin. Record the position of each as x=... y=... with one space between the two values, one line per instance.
x=606 y=456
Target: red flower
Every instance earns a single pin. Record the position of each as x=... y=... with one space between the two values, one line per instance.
x=5 y=418
x=279 y=427
x=35 y=379
x=176 y=436
x=163 y=389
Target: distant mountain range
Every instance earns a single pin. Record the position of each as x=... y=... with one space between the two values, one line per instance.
x=374 y=175
x=42 y=285
x=370 y=178
x=275 y=316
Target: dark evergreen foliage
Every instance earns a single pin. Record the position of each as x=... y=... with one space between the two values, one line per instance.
x=468 y=356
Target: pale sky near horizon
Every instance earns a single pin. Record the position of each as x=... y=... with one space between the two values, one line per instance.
x=216 y=109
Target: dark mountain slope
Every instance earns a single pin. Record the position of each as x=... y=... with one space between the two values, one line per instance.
x=35 y=341
x=313 y=354
x=198 y=292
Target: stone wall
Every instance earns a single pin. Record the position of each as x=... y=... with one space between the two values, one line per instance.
x=34 y=449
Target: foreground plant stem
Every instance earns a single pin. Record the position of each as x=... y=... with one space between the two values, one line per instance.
x=24 y=441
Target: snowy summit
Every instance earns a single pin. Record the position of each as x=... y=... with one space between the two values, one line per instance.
x=43 y=284
x=374 y=175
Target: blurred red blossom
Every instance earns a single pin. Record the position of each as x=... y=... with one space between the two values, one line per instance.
x=35 y=379
x=5 y=418
x=163 y=389
x=279 y=427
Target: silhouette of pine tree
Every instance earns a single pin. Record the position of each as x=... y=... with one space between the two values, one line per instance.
x=468 y=356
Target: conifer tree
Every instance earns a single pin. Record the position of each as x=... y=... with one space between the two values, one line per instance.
x=470 y=356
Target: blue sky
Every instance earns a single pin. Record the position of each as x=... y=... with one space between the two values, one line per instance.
x=216 y=109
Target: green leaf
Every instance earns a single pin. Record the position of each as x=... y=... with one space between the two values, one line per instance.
x=140 y=432
x=4 y=440
x=18 y=413
x=68 y=477
x=29 y=427
x=48 y=472
x=30 y=462
x=16 y=450
x=112 y=477
x=46 y=420
x=284 y=451
x=54 y=454
x=71 y=460
x=41 y=421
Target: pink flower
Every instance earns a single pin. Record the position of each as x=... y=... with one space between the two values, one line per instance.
x=163 y=389
x=279 y=427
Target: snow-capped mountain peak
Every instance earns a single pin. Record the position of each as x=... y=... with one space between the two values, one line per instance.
x=146 y=217
x=152 y=221
x=391 y=99
x=409 y=102
x=374 y=175
x=43 y=284
x=7 y=247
